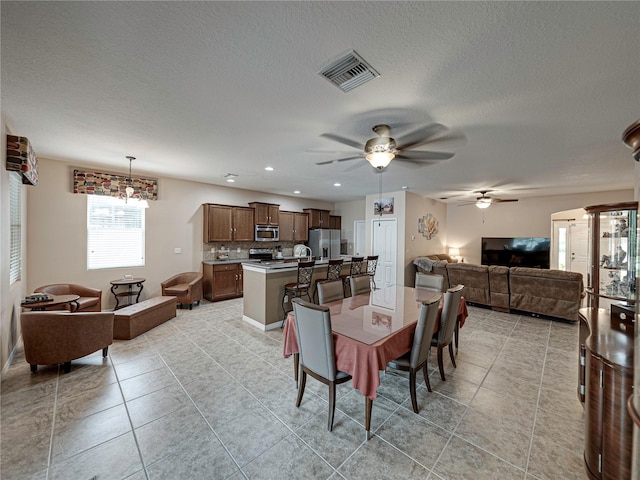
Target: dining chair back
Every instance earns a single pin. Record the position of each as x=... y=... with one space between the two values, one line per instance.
x=418 y=356
x=432 y=281
x=329 y=291
x=359 y=284
x=448 y=320
x=299 y=288
x=372 y=264
x=316 y=348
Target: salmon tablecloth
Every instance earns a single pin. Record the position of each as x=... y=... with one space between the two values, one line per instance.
x=364 y=362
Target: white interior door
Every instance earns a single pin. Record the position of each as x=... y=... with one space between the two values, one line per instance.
x=359 y=238
x=384 y=239
x=571 y=246
x=579 y=248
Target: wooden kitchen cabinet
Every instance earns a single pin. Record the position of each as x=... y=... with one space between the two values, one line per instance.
x=318 y=218
x=225 y=223
x=294 y=227
x=266 y=213
x=335 y=222
x=300 y=227
x=221 y=282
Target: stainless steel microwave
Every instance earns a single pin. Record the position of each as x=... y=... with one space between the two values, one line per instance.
x=267 y=233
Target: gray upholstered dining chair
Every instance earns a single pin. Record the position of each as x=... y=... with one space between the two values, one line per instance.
x=329 y=291
x=317 y=354
x=360 y=284
x=427 y=280
x=448 y=321
x=418 y=356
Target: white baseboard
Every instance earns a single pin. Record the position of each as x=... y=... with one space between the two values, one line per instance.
x=261 y=326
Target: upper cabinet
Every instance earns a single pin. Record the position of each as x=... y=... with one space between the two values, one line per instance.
x=225 y=223
x=294 y=227
x=318 y=218
x=612 y=253
x=266 y=213
x=335 y=222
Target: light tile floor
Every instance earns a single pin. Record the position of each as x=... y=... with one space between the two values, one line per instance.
x=207 y=396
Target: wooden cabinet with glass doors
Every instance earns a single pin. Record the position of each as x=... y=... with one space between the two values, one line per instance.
x=612 y=253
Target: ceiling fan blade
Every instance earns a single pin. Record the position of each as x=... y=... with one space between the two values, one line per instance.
x=343 y=140
x=338 y=160
x=420 y=136
x=332 y=152
x=497 y=200
x=356 y=166
x=426 y=156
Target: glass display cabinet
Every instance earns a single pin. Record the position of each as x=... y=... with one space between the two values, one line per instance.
x=612 y=254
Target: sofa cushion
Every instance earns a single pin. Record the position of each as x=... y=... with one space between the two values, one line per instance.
x=475 y=279
x=499 y=287
x=179 y=289
x=555 y=293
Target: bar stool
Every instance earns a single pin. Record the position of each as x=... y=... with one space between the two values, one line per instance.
x=356 y=269
x=333 y=273
x=372 y=264
x=299 y=288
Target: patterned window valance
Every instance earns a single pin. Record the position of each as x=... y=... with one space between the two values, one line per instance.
x=20 y=158
x=113 y=185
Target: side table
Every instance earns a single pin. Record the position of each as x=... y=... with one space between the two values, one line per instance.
x=129 y=293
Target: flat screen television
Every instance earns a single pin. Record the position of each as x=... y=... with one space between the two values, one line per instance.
x=533 y=252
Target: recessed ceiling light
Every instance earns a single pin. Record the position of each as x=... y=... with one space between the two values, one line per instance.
x=269 y=169
x=296 y=191
x=404 y=187
x=230 y=180
x=337 y=184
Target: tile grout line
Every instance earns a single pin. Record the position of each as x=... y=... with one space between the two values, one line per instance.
x=133 y=430
x=453 y=432
x=535 y=415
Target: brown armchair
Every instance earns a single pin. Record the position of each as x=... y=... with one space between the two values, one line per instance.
x=186 y=286
x=58 y=337
x=90 y=298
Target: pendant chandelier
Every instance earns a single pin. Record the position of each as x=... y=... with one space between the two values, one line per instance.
x=129 y=191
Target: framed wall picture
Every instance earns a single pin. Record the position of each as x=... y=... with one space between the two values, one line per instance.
x=383 y=206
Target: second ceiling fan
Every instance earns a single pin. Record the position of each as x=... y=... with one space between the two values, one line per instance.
x=485 y=201
x=381 y=150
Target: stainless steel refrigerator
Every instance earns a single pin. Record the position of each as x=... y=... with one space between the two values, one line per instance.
x=325 y=243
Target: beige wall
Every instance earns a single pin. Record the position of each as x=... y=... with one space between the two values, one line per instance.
x=10 y=295
x=350 y=212
x=57 y=230
x=529 y=217
x=416 y=244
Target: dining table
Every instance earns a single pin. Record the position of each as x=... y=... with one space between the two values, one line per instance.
x=370 y=330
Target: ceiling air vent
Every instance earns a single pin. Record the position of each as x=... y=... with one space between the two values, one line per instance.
x=348 y=72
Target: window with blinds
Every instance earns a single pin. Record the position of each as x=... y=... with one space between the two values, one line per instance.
x=115 y=233
x=15 y=207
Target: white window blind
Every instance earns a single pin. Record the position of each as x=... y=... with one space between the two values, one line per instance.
x=15 y=207
x=115 y=233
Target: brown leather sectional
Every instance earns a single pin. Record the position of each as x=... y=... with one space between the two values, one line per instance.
x=552 y=293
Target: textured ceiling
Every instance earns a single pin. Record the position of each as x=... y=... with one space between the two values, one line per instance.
x=540 y=92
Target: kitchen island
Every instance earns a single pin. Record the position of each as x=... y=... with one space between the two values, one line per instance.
x=264 y=288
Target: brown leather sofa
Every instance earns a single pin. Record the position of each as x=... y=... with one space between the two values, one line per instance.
x=187 y=287
x=90 y=298
x=58 y=337
x=552 y=293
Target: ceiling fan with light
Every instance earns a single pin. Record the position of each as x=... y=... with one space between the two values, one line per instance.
x=484 y=201
x=381 y=150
